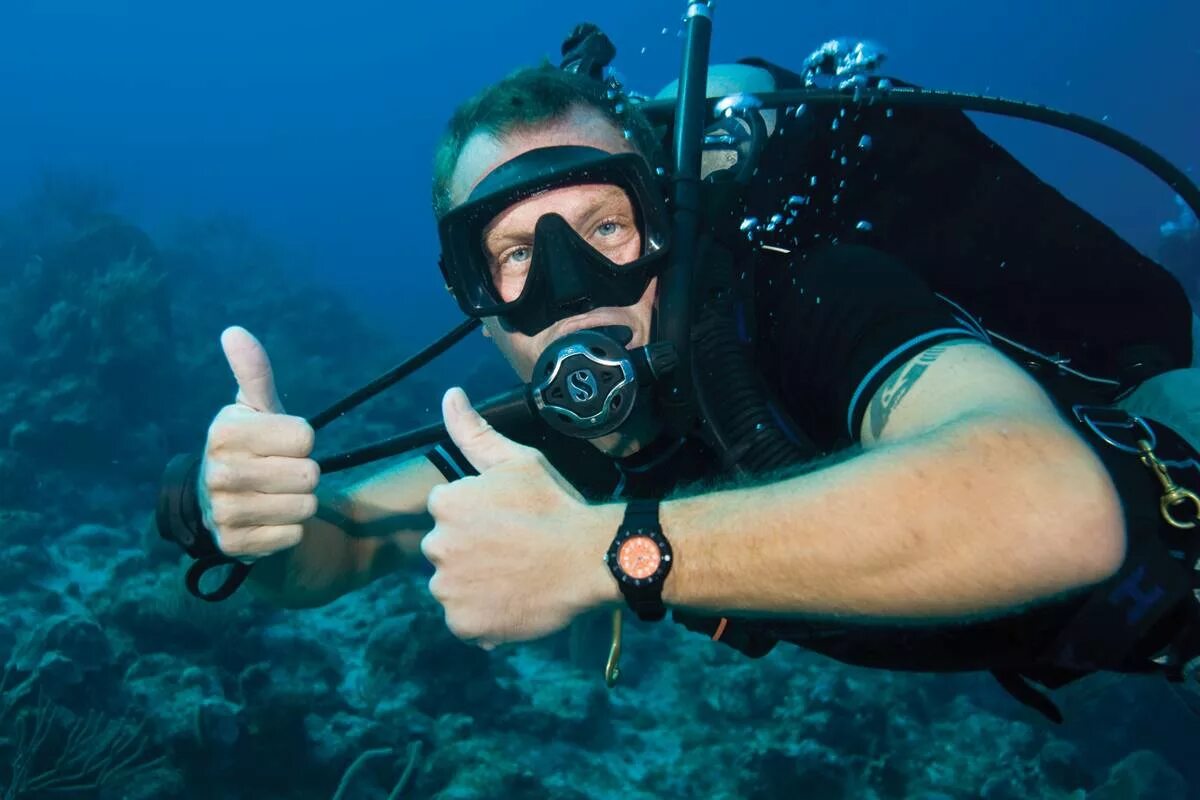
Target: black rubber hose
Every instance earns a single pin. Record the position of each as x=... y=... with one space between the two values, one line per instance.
x=660 y=111
x=732 y=401
x=393 y=376
x=505 y=412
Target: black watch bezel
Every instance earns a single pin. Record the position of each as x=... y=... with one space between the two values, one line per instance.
x=643 y=595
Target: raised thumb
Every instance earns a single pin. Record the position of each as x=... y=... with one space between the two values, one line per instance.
x=252 y=370
x=482 y=444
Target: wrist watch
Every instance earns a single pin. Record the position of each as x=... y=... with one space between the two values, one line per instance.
x=640 y=559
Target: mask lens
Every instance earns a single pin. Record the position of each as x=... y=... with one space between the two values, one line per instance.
x=603 y=216
x=555 y=232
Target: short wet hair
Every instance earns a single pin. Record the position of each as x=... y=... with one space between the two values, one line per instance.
x=525 y=99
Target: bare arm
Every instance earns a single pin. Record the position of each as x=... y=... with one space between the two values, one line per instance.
x=367 y=531
x=971 y=497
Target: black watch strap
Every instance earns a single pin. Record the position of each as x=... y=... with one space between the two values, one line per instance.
x=644 y=595
x=642 y=514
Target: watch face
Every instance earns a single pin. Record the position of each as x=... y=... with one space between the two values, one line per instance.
x=639 y=557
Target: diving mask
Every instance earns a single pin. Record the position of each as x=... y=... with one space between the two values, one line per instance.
x=560 y=271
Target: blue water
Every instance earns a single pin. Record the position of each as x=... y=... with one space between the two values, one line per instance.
x=317 y=120
x=307 y=131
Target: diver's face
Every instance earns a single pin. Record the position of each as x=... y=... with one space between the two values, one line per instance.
x=600 y=213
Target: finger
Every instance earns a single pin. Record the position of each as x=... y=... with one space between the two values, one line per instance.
x=270 y=475
x=240 y=430
x=263 y=509
x=248 y=544
x=483 y=446
x=252 y=370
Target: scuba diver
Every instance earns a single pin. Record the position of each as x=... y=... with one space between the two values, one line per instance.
x=901 y=414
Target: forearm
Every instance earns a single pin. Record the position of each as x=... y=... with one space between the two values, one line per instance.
x=328 y=563
x=370 y=530
x=971 y=519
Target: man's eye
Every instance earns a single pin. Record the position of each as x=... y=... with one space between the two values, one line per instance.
x=608 y=228
x=518 y=255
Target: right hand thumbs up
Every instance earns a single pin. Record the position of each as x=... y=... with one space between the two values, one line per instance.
x=252 y=371
x=257 y=482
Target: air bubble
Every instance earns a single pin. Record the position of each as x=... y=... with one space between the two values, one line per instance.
x=863 y=225
x=834 y=126
x=885 y=85
x=836 y=199
x=865 y=142
x=776 y=219
x=748 y=223
x=797 y=200
x=813 y=182
x=845 y=161
x=660 y=171
x=890 y=113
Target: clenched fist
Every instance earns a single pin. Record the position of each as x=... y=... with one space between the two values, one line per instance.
x=257 y=482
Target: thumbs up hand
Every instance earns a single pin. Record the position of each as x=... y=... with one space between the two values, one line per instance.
x=257 y=482
x=518 y=552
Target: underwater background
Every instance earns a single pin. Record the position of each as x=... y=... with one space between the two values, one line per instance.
x=170 y=168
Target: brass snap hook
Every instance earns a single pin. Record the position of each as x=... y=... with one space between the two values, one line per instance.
x=1174 y=495
x=612 y=669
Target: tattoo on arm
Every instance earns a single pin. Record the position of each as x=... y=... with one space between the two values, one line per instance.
x=896 y=387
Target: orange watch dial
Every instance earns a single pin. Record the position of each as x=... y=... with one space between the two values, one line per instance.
x=639 y=557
